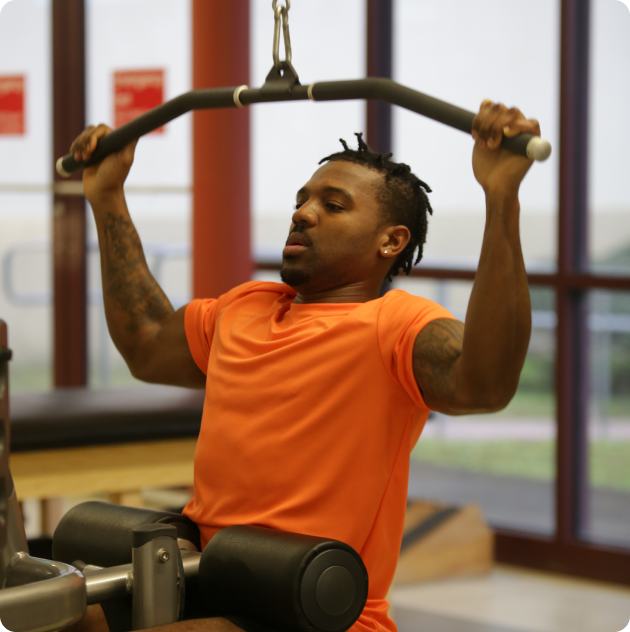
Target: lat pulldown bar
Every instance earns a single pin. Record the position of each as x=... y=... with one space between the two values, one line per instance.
x=281 y=88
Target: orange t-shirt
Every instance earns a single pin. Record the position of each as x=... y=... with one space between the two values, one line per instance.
x=310 y=415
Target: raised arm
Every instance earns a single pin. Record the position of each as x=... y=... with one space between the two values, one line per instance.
x=475 y=367
x=145 y=328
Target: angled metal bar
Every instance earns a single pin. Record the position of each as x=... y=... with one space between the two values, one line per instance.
x=277 y=91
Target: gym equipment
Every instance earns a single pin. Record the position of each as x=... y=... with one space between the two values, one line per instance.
x=282 y=84
x=147 y=564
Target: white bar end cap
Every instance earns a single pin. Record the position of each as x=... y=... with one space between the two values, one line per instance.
x=63 y=173
x=538 y=149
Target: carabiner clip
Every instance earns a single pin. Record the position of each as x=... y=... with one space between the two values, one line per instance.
x=281 y=14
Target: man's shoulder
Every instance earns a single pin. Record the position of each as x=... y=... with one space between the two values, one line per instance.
x=397 y=299
x=399 y=306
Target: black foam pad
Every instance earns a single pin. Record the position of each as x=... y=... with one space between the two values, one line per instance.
x=102 y=534
x=285 y=581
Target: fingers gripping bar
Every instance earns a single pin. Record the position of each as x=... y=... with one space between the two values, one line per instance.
x=386 y=90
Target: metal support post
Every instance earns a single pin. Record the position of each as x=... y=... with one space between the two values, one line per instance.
x=572 y=331
x=155 y=563
x=379 y=64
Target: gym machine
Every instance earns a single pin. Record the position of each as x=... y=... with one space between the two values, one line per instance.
x=282 y=84
x=145 y=567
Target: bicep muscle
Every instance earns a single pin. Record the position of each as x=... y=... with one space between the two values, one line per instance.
x=168 y=359
x=436 y=351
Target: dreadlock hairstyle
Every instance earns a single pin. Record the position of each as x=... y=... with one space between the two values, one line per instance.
x=402 y=196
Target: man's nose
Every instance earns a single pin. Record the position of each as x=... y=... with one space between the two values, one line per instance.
x=306 y=214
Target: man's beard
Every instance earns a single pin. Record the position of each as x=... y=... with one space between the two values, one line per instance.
x=295 y=278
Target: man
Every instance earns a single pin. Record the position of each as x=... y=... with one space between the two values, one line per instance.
x=317 y=389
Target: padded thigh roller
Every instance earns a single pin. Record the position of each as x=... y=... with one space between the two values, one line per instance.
x=286 y=581
x=102 y=534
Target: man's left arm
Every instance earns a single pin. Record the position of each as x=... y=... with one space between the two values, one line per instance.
x=475 y=367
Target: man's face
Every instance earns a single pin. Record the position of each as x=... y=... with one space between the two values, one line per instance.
x=336 y=232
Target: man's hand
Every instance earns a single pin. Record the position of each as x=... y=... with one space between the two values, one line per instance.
x=108 y=176
x=498 y=170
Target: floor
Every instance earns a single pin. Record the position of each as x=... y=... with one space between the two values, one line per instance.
x=512 y=600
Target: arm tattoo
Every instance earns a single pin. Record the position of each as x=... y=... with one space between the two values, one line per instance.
x=126 y=276
x=436 y=350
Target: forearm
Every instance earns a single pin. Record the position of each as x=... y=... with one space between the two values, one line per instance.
x=498 y=320
x=135 y=305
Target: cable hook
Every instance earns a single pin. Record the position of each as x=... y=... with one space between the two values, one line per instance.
x=281 y=17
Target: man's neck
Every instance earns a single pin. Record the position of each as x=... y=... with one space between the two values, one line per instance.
x=357 y=292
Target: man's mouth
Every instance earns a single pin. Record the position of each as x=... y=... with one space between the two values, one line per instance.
x=296 y=244
x=293 y=249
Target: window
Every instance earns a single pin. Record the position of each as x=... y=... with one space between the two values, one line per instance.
x=609 y=135
x=158 y=187
x=25 y=200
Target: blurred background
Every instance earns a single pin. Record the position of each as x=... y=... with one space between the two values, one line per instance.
x=551 y=472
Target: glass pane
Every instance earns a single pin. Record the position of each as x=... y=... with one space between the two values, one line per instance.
x=158 y=187
x=503 y=461
x=609 y=427
x=444 y=48
x=25 y=195
x=288 y=140
x=609 y=193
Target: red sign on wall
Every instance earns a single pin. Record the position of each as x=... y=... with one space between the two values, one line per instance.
x=136 y=92
x=12 y=105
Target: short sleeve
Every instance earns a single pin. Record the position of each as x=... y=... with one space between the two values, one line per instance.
x=199 y=321
x=401 y=318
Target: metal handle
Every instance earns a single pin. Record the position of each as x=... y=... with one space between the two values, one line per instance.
x=155 y=565
x=370 y=88
x=46 y=605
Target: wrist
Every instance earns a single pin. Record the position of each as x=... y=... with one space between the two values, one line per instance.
x=503 y=206
x=501 y=197
x=112 y=196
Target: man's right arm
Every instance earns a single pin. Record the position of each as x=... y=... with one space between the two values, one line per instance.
x=145 y=328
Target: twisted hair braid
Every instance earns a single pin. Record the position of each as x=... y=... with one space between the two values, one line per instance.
x=402 y=195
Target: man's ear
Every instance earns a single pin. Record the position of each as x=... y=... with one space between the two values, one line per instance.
x=395 y=240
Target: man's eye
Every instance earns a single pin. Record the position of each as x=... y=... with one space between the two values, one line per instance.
x=334 y=207
x=297 y=205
